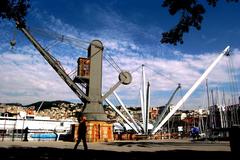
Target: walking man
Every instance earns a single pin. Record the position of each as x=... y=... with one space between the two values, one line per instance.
x=26 y=134
x=82 y=130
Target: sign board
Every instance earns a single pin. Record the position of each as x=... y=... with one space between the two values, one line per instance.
x=84 y=68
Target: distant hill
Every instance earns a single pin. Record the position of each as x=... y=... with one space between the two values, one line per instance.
x=48 y=104
x=12 y=104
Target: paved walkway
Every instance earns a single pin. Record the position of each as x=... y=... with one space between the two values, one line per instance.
x=128 y=146
x=152 y=149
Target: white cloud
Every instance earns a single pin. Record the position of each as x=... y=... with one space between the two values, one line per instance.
x=26 y=78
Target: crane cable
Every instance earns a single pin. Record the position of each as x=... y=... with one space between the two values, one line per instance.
x=111 y=61
x=60 y=38
x=234 y=75
x=161 y=74
x=72 y=72
x=231 y=79
x=136 y=69
x=233 y=90
x=235 y=85
x=79 y=43
x=13 y=40
x=75 y=41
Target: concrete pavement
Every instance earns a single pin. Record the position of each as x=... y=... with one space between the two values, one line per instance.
x=144 y=149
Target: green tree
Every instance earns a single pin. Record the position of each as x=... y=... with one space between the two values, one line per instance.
x=14 y=10
x=191 y=12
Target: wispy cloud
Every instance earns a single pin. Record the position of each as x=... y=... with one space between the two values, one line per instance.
x=25 y=78
x=212 y=40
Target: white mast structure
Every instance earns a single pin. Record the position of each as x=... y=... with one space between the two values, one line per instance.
x=142 y=106
x=147 y=108
x=143 y=99
x=145 y=104
x=192 y=89
x=166 y=108
x=126 y=110
x=121 y=115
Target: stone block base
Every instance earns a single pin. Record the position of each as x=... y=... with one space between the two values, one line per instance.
x=97 y=131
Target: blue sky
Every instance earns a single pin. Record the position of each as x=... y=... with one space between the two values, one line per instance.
x=130 y=31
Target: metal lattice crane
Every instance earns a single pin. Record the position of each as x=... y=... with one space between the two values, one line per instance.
x=55 y=65
x=92 y=97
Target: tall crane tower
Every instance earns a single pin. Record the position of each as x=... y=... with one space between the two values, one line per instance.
x=89 y=76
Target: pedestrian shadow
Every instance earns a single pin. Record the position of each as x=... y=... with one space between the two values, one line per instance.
x=40 y=153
